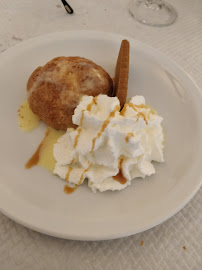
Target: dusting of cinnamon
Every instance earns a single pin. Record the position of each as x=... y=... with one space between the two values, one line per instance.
x=81 y=178
x=69 y=190
x=128 y=136
x=105 y=124
x=119 y=177
x=94 y=101
x=77 y=137
x=184 y=247
x=35 y=158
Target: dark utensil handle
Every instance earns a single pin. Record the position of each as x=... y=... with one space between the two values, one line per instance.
x=67 y=7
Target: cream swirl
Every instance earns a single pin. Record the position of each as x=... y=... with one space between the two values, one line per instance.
x=110 y=147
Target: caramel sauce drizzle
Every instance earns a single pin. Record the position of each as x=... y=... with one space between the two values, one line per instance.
x=82 y=116
x=140 y=114
x=68 y=173
x=134 y=107
x=131 y=105
x=94 y=101
x=128 y=136
x=81 y=178
x=69 y=170
x=105 y=124
x=69 y=190
x=141 y=106
x=77 y=137
x=119 y=177
x=35 y=158
x=79 y=130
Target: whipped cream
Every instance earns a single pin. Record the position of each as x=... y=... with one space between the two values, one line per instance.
x=109 y=147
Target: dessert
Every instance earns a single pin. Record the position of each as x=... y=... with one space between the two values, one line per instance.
x=108 y=141
x=55 y=89
x=109 y=147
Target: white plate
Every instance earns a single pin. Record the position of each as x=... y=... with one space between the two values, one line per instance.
x=35 y=198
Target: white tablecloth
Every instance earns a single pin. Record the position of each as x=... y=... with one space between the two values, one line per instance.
x=175 y=244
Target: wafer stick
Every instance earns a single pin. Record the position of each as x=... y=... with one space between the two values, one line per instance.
x=121 y=73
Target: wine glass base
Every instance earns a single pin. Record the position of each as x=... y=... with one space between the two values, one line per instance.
x=154 y=13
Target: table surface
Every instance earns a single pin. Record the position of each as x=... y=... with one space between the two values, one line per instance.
x=175 y=244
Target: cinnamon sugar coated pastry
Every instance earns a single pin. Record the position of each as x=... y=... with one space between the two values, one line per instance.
x=55 y=89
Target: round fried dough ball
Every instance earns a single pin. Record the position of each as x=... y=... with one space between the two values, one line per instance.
x=55 y=89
